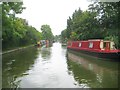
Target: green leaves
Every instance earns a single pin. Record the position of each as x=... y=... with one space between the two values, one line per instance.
x=16 y=31
x=46 y=32
x=100 y=21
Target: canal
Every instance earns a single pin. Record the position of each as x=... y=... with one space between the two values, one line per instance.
x=55 y=67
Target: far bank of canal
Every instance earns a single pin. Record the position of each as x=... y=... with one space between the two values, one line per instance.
x=55 y=67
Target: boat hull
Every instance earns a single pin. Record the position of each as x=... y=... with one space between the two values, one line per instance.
x=106 y=56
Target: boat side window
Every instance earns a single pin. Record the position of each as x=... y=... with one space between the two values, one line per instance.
x=112 y=46
x=80 y=44
x=101 y=45
x=90 y=45
x=104 y=45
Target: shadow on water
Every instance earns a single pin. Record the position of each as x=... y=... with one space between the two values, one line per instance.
x=16 y=65
x=92 y=72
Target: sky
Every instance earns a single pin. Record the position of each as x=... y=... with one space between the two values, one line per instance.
x=52 y=12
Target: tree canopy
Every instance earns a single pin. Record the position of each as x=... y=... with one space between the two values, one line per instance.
x=100 y=21
x=46 y=32
x=16 y=31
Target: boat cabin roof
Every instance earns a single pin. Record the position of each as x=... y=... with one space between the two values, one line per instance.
x=97 y=40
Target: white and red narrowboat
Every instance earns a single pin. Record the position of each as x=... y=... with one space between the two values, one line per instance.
x=98 y=48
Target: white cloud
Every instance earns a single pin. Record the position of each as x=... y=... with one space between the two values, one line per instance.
x=52 y=12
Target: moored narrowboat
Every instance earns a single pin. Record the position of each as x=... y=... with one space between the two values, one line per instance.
x=97 y=48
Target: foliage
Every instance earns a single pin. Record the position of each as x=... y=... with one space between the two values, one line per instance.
x=16 y=31
x=100 y=21
x=57 y=38
x=46 y=32
x=113 y=38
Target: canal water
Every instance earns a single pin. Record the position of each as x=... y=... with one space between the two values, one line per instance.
x=55 y=67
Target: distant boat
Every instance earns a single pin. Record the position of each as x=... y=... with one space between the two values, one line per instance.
x=97 y=48
x=64 y=44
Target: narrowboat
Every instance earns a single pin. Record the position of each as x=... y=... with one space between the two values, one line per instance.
x=97 y=48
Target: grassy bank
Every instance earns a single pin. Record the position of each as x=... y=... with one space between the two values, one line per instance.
x=8 y=50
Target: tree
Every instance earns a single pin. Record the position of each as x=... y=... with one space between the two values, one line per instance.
x=95 y=23
x=15 y=31
x=108 y=21
x=10 y=35
x=64 y=36
x=46 y=32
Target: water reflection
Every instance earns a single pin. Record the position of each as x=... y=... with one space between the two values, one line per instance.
x=16 y=65
x=37 y=68
x=46 y=53
x=94 y=75
x=51 y=68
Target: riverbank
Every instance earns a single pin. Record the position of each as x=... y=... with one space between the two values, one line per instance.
x=19 y=48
